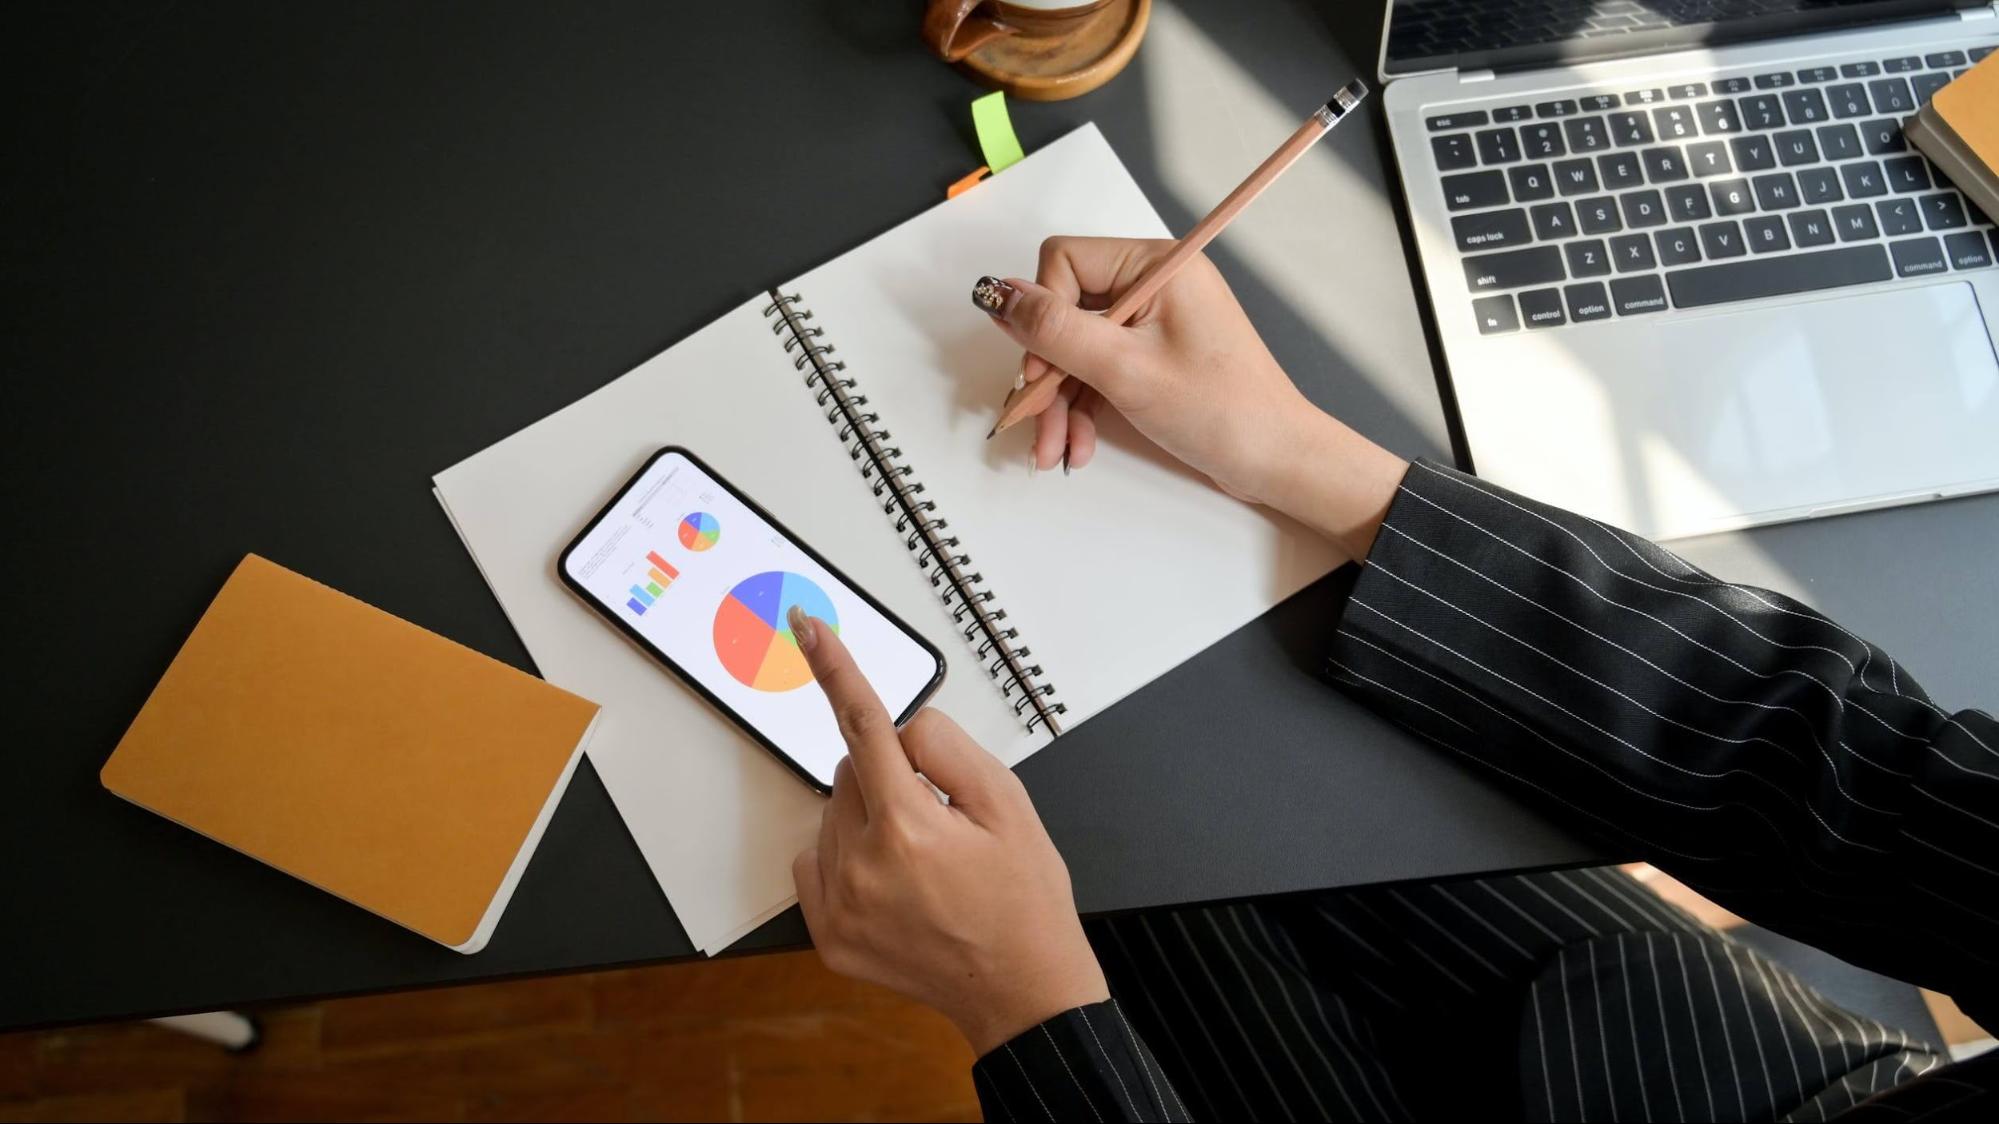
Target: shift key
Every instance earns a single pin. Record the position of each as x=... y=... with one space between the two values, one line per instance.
x=1537 y=265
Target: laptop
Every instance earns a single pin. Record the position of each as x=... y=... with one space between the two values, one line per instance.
x=1686 y=272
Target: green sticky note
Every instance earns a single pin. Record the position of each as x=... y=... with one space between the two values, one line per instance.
x=995 y=129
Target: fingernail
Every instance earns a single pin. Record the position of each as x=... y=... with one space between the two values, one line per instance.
x=1065 y=460
x=801 y=629
x=990 y=295
x=1020 y=374
x=1033 y=464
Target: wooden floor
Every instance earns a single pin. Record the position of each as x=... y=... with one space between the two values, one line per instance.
x=761 y=1038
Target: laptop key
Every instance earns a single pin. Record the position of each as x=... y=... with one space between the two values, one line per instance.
x=1704 y=285
x=1943 y=212
x=1719 y=117
x=1511 y=269
x=1849 y=100
x=1543 y=141
x=1854 y=222
x=1586 y=134
x=1530 y=182
x=1944 y=59
x=1645 y=97
x=1863 y=179
x=1918 y=256
x=1664 y=165
x=1737 y=85
x=1811 y=228
x=1898 y=216
x=1967 y=251
x=1906 y=173
x=1598 y=215
x=1632 y=253
x=1817 y=74
x=1978 y=53
x=1687 y=90
x=1574 y=177
x=1804 y=107
x=1513 y=113
x=1631 y=296
x=1600 y=102
x=1542 y=308
x=1722 y=240
x=1673 y=122
x=1587 y=302
x=1860 y=70
x=1901 y=65
x=1776 y=192
x=1490 y=230
x=1566 y=107
x=1765 y=234
x=1678 y=246
x=1839 y=142
x=1881 y=137
x=1589 y=258
x=1819 y=185
x=1762 y=111
x=1731 y=197
x=1794 y=148
x=1495 y=315
x=1891 y=95
x=1642 y=209
x=1620 y=170
x=1709 y=158
x=1463 y=119
x=1687 y=202
x=1775 y=81
x=1630 y=128
x=1498 y=146
x=1454 y=152
x=1753 y=154
x=1927 y=85
x=1474 y=189
x=1553 y=221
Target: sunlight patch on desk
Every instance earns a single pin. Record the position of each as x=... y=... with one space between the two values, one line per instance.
x=1215 y=121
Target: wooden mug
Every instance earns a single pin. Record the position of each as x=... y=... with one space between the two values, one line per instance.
x=955 y=28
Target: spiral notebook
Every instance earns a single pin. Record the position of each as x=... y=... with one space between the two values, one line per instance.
x=853 y=403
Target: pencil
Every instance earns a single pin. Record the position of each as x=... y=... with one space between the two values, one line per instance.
x=1036 y=396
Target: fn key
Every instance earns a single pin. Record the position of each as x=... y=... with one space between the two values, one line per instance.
x=1495 y=315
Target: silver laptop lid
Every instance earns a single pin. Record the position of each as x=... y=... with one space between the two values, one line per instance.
x=1426 y=36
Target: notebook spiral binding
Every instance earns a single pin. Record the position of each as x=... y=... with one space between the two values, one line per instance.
x=937 y=553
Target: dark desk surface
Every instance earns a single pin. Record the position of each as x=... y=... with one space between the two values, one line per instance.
x=269 y=269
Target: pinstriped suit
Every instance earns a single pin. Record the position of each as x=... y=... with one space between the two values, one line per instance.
x=1765 y=756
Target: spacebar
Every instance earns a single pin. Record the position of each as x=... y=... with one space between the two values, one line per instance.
x=1770 y=277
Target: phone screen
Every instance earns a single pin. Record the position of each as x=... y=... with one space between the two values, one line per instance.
x=702 y=578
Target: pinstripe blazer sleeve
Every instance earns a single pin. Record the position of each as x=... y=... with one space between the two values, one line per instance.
x=1761 y=753
x=1083 y=1064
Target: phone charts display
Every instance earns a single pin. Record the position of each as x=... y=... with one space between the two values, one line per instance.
x=753 y=635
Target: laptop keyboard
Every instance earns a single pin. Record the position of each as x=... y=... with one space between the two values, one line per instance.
x=1592 y=207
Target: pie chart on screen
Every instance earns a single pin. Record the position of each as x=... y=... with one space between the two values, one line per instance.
x=753 y=639
x=699 y=530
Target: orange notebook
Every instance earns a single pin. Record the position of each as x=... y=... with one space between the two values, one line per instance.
x=1958 y=129
x=344 y=746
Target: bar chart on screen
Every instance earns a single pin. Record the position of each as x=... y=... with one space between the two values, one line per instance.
x=659 y=574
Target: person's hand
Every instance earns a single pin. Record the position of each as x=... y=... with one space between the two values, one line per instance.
x=1190 y=372
x=965 y=907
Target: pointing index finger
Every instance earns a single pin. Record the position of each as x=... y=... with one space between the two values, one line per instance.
x=880 y=762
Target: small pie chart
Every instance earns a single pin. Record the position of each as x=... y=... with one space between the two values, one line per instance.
x=699 y=530
x=753 y=639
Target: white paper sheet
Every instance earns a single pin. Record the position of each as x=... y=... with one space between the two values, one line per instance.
x=1113 y=575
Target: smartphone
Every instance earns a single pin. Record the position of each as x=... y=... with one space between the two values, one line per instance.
x=698 y=575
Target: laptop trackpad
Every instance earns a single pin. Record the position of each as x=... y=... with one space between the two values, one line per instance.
x=1831 y=400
